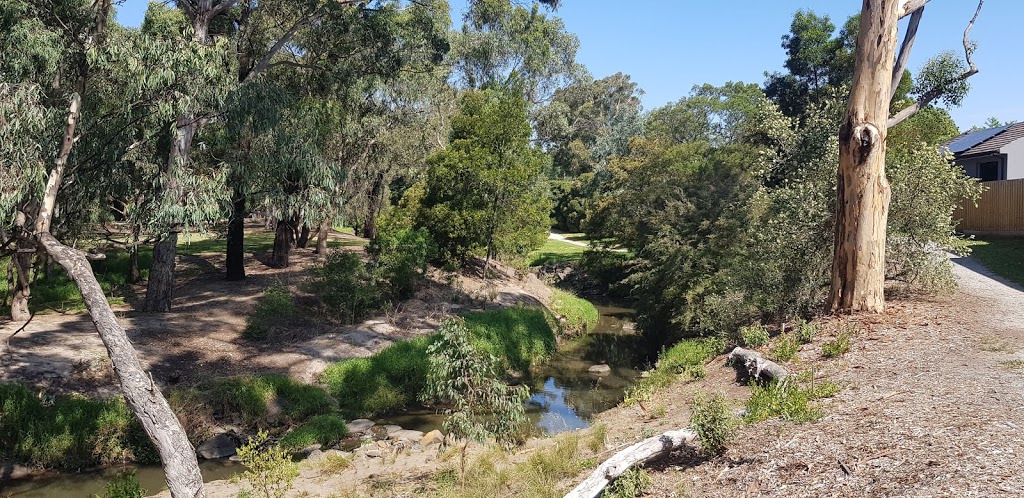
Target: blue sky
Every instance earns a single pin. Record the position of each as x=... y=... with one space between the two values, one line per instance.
x=669 y=46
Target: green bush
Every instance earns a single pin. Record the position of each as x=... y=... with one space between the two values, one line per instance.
x=399 y=259
x=268 y=469
x=519 y=337
x=263 y=400
x=125 y=485
x=345 y=286
x=753 y=336
x=70 y=433
x=631 y=484
x=275 y=306
x=805 y=332
x=836 y=347
x=606 y=270
x=326 y=430
x=384 y=382
x=787 y=399
x=580 y=315
x=785 y=348
x=712 y=422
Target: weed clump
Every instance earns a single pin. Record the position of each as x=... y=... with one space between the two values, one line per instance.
x=631 y=484
x=836 y=347
x=712 y=422
x=325 y=430
x=805 y=332
x=274 y=307
x=685 y=359
x=785 y=348
x=791 y=399
x=753 y=336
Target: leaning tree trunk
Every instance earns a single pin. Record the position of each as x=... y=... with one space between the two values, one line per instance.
x=177 y=455
x=160 y=288
x=236 y=238
x=283 y=238
x=862 y=201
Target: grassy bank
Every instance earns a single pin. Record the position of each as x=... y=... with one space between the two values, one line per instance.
x=393 y=378
x=685 y=359
x=580 y=315
x=1001 y=255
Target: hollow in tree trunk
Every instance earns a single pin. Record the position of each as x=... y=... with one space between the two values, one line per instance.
x=862 y=200
x=236 y=238
x=283 y=238
x=160 y=288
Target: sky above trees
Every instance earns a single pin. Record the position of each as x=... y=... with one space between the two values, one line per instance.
x=668 y=47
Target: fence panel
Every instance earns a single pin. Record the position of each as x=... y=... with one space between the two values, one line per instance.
x=1000 y=209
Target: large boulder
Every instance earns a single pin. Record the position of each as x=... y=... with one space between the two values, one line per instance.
x=360 y=425
x=432 y=437
x=406 y=434
x=222 y=445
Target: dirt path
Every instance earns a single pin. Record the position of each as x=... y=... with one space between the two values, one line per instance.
x=562 y=238
x=202 y=336
x=932 y=405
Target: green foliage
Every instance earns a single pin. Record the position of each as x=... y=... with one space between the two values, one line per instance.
x=326 y=430
x=631 y=484
x=399 y=259
x=275 y=306
x=484 y=193
x=263 y=400
x=786 y=399
x=482 y=406
x=69 y=432
x=580 y=315
x=384 y=382
x=836 y=347
x=753 y=336
x=345 y=286
x=606 y=270
x=805 y=332
x=125 y=485
x=712 y=422
x=685 y=358
x=785 y=348
x=518 y=337
x=269 y=470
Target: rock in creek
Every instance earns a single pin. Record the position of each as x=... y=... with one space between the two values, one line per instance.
x=360 y=425
x=433 y=437
x=220 y=446
x=601 y=369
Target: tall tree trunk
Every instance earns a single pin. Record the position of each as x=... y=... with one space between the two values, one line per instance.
x=376 y=194
x=323 y=233
x=236 y=237
x=303 y=239
x=160 y=288
x=134 y=275
x=283 y=238
x=22 y=262
x=177 y=455
x=862 y=201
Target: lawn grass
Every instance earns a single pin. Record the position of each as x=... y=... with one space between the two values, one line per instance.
x=1003 y=256
x=555 y=251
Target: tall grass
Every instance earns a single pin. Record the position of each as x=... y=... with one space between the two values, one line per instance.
x=519 y=337
x=580 y=315
x=263 y=400
x=685 y=358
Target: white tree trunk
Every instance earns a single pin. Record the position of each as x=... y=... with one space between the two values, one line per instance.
x=644 y=451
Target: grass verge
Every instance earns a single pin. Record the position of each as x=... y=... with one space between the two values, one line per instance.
x=555 y=251
x=1001 y=255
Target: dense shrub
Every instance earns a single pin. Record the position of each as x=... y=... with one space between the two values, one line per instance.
x=606 y=270
x=276 y=306
x=384 y=382
x=399 y=259
x=345 y=286
x=572 y=201
x=753 y=336
x=70 y=432
x=712 y=422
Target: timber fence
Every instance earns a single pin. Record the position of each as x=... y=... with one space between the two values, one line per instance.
x=999 y=211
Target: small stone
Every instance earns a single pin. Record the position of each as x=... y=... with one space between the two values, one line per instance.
x=645 y=374
x=235 y=458
x=360 y=425
x=315 y=455
x=391 y=429
x=601 y=369
x=433 y=437
x=382 y=445
x=373 y=453
x=407 y=434
x=219 y=446
x=310 y=449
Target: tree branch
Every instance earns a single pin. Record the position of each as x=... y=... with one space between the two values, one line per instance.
x=908 y=7
x=905 y=47
x=930 y=96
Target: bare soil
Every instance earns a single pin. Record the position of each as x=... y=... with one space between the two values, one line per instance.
x=202 y=337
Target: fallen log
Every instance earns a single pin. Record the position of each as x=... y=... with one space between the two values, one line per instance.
x=749 y=364
x=644 y=451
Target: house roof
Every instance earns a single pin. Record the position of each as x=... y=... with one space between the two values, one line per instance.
x=988 y=141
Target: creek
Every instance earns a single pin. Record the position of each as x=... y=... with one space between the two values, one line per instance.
x=566 y=396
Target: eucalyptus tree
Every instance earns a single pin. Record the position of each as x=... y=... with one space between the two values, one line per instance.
x=862 y=203
x=53 y=52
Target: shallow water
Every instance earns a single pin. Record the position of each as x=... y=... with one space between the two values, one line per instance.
x=565 y=398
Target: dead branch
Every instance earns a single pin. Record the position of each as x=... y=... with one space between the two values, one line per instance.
x=644 y=451
x=750 y=365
